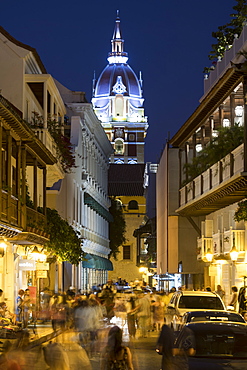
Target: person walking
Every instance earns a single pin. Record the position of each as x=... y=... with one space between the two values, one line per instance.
x=234 y=297
x=131 y=316
x=143 y=313
x=220 y=292
x=19 y=307
x=242 y=299
x=158 y=313
x=115 y=355
x=164 y=347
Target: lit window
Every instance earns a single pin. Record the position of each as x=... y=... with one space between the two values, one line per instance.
x=215 y=133
x=226 y=122
x=239 y=111
x=119 y=146
x=198 y=148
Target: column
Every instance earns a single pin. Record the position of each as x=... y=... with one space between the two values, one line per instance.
x=44 y=190
x=1 y=166
x=232 y=108
x=221 y=115
x=23 y=186
x=35 y=183
x=45 y=103
x=18 y=182
x=9 y=189
x=245 y=122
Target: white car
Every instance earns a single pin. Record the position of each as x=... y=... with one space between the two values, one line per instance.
x=189 y=300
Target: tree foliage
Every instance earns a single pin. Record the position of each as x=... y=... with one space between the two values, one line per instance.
x=117 y=228
x=228 y=139
x=241 y=212
x=64 y=149
x=225 y=34
x=64 y=241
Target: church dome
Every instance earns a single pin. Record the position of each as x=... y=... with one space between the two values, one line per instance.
x=117 y=77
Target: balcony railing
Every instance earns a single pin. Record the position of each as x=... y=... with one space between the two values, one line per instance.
x=221 y=243
x=9 y=215
x=217 y=175
x=203 y=244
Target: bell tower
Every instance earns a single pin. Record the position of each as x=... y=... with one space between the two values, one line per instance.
x=118 y=103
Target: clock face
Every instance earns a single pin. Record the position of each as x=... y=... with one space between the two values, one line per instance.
x=119 y=132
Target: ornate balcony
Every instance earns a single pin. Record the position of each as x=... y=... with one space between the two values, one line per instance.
x=222 y=184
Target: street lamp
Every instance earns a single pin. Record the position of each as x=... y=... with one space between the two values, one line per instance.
x=234 y=253
x=209 y=255
x=3 y=247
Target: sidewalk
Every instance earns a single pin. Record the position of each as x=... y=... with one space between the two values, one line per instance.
x=41 y=333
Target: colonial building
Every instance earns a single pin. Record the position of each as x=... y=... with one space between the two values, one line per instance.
x=28 y=163
x=118 y=103
x=209 y=186
x=82 y=196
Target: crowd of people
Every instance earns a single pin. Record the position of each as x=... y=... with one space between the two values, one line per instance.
x=135 y=313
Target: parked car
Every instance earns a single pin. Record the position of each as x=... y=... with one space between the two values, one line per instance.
x=213 y=345
x=189 y=300
x=195 y=316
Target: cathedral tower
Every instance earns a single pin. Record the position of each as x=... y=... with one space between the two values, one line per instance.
x=118 y=103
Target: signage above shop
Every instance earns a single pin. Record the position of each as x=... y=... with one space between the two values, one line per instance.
x=27 y=265
x=41 y=274
x=42 y=266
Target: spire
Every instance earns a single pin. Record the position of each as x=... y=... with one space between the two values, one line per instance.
x=117 y=55
x=94 y=83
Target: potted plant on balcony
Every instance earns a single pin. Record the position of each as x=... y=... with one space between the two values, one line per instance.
x=228 y=139
x=241 y=212
x=64 y=147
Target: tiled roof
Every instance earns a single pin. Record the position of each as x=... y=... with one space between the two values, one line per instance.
x=126 y=179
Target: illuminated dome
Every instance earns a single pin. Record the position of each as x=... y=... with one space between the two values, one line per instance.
x=117 y=77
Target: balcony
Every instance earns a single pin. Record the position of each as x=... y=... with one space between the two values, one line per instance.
x=34 y=232
x=222 y=184
x=221 y=243
x=203 y=244
x=54 y=172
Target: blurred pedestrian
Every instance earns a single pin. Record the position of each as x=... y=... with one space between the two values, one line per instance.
x=131 y=316
x=234 y=297
x=143 y=313
x=115 y=355
x=55 y=357
x=242 y=299
x=1 y=296
x=26 y=308
x=19 y=307
x=244 y=314
x=158 y=313
x=164 y=347
x=220 y=292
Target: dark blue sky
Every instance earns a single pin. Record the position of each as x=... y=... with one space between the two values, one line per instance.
x=169 y=41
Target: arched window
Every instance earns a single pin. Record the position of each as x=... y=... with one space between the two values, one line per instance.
x=119 y=146
x=133 y=204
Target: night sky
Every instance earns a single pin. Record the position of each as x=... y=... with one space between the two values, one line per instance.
x=169 y=41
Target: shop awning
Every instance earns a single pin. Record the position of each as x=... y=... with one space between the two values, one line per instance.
x=97 y=262
x=93 y=204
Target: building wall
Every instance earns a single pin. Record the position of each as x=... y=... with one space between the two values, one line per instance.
x=176 y=237
x=127 y=269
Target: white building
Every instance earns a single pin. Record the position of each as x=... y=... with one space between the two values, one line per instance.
x=82 y=196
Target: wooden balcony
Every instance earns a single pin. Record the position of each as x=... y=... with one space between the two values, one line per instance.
x=34 y=232
x=222 y=184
